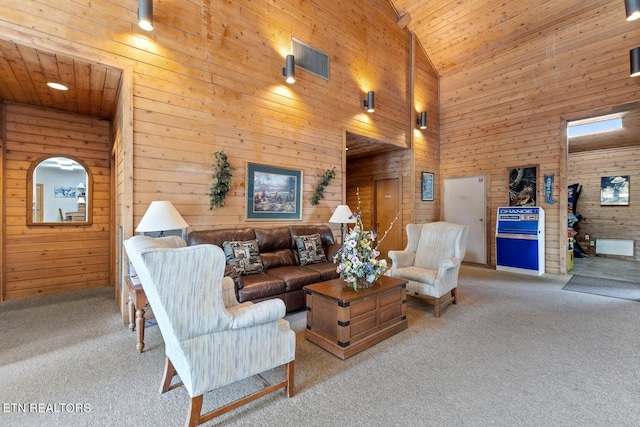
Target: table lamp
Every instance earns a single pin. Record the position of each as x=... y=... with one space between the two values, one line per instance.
x=342 y=215
x=161 y=216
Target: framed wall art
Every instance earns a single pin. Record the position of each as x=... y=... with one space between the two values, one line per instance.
x=614 y=190
x=273 y=193
x=522 y=186
x=64 y=192
x=427 y=186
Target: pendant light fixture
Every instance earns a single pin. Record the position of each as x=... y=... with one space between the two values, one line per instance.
x=145 y=15
x=634 y=59
x=632 y=7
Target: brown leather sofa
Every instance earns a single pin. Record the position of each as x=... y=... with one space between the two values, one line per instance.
x=283 y=276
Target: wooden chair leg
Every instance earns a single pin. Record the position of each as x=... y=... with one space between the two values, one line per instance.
x=169 y=372
x=436 y=312
x=195 y=407
x=454 y=294
x=289 y=372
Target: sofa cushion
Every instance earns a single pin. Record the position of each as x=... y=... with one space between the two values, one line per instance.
x=327 y=270
x=279 y=258
x=218 y=236
x=273 y=239
x=243 y=256
x=260 y=286
x=310 y=249
x=294 y=277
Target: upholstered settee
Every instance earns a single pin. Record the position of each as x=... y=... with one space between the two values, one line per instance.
x=267 y=263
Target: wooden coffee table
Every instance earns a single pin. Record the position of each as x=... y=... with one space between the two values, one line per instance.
x=345 y=322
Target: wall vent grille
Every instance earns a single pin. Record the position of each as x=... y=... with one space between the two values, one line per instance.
x=310 y=59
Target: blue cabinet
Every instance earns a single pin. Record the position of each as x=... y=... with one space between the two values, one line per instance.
x=520 y=240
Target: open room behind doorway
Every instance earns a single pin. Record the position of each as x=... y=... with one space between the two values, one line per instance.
x=69 y=250
x=595 y=155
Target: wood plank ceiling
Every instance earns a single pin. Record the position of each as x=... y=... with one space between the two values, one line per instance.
x=459 y=34
x=455 y=34
x=25 y=72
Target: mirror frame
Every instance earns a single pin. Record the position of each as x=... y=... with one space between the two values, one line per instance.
x=30 y=183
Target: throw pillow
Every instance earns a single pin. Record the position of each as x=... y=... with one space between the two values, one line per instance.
x=243 y=256
x=310 y=249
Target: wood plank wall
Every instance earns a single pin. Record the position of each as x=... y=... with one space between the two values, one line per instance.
x=508 y=112
x=42 y=260
x=208 y=78
x=609 y=222
x=426 y=144
x=238 y=102
x=119 y=185
x=408 y=165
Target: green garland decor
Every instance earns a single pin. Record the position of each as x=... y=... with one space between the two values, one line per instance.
x=318 y=194
x=221 y=180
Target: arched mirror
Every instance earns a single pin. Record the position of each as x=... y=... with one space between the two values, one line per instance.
x=59 y=192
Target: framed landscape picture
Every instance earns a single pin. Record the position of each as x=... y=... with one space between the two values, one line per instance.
x=273 y=192
x=427 y=186
x=614 y=190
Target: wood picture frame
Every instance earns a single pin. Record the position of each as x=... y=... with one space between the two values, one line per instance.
x=427 y=186
x=273 y=193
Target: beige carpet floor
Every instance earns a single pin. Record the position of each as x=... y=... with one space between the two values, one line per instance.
x=516 y=351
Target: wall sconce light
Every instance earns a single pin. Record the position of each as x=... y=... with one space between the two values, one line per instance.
x=369 y=102
x=632 y=7
x=145 y=14
x=422 y=120
x=289 y=70
x=634 y=59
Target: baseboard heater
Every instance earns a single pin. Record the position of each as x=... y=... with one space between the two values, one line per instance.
x=622 y=247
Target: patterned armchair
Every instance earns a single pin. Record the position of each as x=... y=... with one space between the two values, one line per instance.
x=431 y=262
x=210 y=339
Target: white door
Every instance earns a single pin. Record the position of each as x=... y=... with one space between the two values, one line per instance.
x=464 y=203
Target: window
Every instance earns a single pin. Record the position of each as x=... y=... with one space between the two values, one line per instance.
x=594 y=125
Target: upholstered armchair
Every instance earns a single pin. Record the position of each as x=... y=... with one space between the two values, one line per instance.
x=431 y=262
x=210 y=339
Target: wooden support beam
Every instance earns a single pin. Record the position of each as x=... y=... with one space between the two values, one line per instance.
x=403 y=21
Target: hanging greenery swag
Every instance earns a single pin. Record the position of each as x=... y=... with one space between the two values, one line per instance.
x=221 y=180
x=318 y=194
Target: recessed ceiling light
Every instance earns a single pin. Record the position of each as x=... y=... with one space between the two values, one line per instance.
x=57 y=86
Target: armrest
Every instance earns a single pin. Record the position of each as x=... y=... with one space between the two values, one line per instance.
x=331 y=251
x=229 y=292
x=450 y=262
x=257 y=314
x=231 y=272
x=447 y=278
x=401 y=258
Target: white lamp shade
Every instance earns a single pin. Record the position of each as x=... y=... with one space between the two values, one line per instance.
x=342 y=215
x=161 y=216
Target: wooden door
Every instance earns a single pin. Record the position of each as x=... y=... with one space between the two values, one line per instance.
x=387 y=204
x=38 y=207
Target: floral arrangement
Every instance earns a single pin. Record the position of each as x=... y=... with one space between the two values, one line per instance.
x=357 y=259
